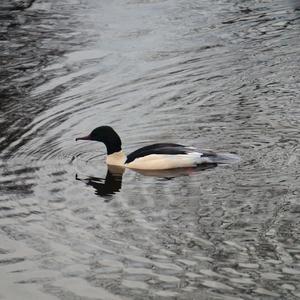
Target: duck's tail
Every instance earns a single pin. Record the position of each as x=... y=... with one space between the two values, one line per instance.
x=224 y=158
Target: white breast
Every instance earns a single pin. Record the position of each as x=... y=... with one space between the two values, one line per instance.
x=165 y=161
x=116 y=159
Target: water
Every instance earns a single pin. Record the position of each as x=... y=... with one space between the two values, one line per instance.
x=215 y=74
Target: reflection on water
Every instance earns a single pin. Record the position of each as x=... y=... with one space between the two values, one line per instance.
x=107 y=186
x=112 y=182
x=210 y=74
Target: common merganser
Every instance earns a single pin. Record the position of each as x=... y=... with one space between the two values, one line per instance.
x=162 y=156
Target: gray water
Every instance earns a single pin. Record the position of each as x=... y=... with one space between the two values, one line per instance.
x=213 y=74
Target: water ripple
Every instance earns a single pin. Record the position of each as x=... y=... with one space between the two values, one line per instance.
x=221 y=75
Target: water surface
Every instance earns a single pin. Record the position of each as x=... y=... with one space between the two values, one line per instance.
x=214 y=74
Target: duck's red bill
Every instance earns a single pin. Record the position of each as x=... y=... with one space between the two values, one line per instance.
x=87 y=138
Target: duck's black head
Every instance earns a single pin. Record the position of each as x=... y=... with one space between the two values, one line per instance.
x=106 y=135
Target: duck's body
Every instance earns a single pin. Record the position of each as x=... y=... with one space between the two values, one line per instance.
x=161 y=156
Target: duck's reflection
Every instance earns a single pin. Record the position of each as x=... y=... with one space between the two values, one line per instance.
x=107 y=186
x=112 y=183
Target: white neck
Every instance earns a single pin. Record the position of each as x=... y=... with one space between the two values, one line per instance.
x=116 y=159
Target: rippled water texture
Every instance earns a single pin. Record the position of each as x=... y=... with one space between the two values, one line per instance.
x=215 y=74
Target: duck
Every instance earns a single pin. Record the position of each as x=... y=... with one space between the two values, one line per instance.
x=159 y=156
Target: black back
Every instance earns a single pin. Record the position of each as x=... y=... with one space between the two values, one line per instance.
x=162 y=148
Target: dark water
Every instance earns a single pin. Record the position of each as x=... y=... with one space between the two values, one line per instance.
x=217 y=74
